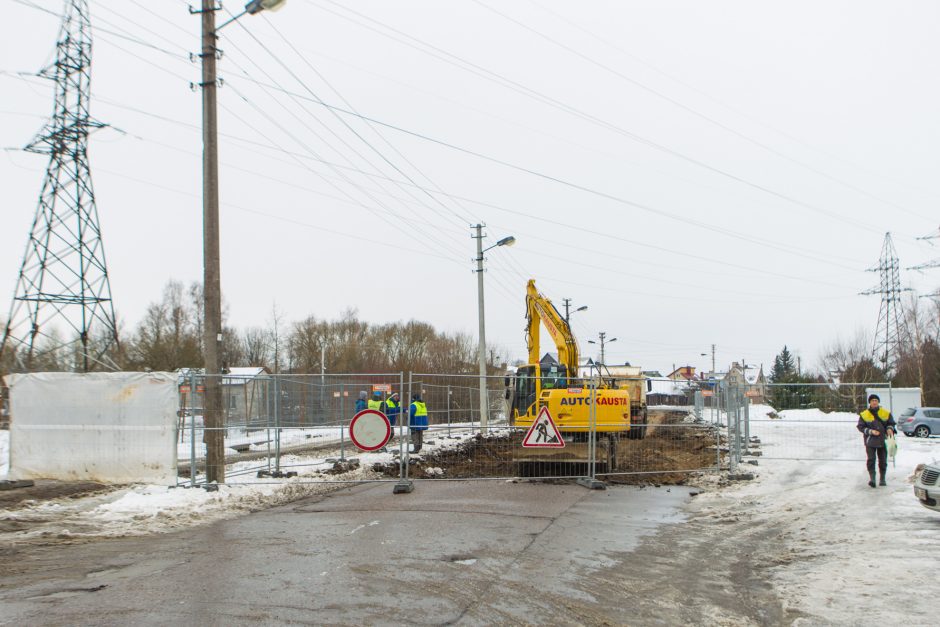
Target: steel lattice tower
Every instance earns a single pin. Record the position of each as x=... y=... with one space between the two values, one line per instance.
x=887 y=343
x=62 y=300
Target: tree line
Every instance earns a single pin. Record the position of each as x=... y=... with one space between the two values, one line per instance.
x=852 y=360
x=169 y=337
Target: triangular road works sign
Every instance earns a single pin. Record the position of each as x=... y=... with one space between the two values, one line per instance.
x=543 y=433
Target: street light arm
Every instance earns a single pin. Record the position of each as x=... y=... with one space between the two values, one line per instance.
x=253 y=8
x=229 y=21
x=506 y=241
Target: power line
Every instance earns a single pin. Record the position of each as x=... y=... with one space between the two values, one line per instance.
x=724 y=104
x=382 y=137
x=325 y=126
x=689 y=109
x=530 y=217
x=521 y=214
x=545 y=99
x=789 y=249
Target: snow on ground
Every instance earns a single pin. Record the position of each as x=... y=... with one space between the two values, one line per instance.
x=143 y=509
x=845 y=553
x=835 y=550
x=4 y=453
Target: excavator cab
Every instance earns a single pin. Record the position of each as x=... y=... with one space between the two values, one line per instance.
x=530 y=381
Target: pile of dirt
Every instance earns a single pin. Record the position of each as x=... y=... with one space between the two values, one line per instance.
x=667 y=455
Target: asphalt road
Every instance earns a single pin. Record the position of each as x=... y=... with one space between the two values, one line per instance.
x=468 y=553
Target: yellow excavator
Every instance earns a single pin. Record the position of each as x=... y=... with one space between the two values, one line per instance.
x=560 y=388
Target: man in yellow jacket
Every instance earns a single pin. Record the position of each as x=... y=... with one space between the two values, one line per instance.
x=875 y=423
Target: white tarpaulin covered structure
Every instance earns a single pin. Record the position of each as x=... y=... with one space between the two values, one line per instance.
x=117 y=427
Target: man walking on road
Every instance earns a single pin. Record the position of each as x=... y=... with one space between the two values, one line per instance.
x=876 y=423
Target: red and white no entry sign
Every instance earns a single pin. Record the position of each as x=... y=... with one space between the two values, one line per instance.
x=370 y=430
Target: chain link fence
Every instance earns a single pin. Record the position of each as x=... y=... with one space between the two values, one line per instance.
x=799 y=421
x=296 y=427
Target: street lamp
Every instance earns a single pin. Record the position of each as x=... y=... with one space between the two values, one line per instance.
x=567 y=302
x=484 y=398
x=603 y=341
x=212 y=285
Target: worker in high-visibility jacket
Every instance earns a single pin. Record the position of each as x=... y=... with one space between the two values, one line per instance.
x=876 y=423
x=393 y=407
x=376 y=401
x=418 y=421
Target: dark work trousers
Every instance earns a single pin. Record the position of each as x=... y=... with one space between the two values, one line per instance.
x=882 y=454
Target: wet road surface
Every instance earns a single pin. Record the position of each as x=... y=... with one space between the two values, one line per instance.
x=468 y=553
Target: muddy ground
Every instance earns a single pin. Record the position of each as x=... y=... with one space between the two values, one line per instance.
x=671 y=448
x=48 y=489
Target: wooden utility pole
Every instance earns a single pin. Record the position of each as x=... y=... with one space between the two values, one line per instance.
x=213 y=435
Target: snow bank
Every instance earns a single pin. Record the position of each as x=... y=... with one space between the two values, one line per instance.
x=833 y=534
x=4 y=453
x=144 y=509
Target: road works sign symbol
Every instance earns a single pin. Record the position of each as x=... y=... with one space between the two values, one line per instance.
x=543 y=433
x=370 y=430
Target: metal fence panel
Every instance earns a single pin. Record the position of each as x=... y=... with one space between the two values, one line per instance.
x=808 y=421
x=296 y=426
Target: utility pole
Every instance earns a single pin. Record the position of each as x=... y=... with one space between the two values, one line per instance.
x=484 y=397
x=603 y=341
x=567 y=302
x=713 y=359
x=212 y=288
x=213 y=435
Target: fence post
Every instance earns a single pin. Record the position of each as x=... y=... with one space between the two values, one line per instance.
x=471 y=412
x=342 y=422
x=448 y=413
x=738 y=410
x=277 y=427
x=267 y=420
x=404 y=485
x=747 y=422
x=192 y=428
x=591 y=481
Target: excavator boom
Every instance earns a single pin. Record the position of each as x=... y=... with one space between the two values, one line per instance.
x=540 y=310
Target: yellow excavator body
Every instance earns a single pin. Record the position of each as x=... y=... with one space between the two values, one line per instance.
x=558 y=386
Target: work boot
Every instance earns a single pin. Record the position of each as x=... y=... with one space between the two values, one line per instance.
x=871 y=482
x=882 y=482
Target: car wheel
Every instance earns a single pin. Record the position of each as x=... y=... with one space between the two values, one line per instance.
x=922 y=431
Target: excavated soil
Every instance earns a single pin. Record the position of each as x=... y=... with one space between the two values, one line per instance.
x=671 y=449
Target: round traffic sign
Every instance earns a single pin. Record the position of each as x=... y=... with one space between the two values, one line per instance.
x=370 y=430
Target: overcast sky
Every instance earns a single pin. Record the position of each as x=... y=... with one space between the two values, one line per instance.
x=696 y=173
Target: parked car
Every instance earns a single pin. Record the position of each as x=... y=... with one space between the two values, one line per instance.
x=927 y=486
x=920 y=421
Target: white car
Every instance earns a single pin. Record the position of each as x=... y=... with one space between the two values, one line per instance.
x=927 y=486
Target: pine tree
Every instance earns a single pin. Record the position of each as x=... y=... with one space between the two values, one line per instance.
x=784 y=371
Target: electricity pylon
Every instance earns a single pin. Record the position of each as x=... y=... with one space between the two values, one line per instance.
x=887 y=345
x=62 y=311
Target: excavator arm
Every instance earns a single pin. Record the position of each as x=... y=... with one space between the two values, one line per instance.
x=539 y=311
